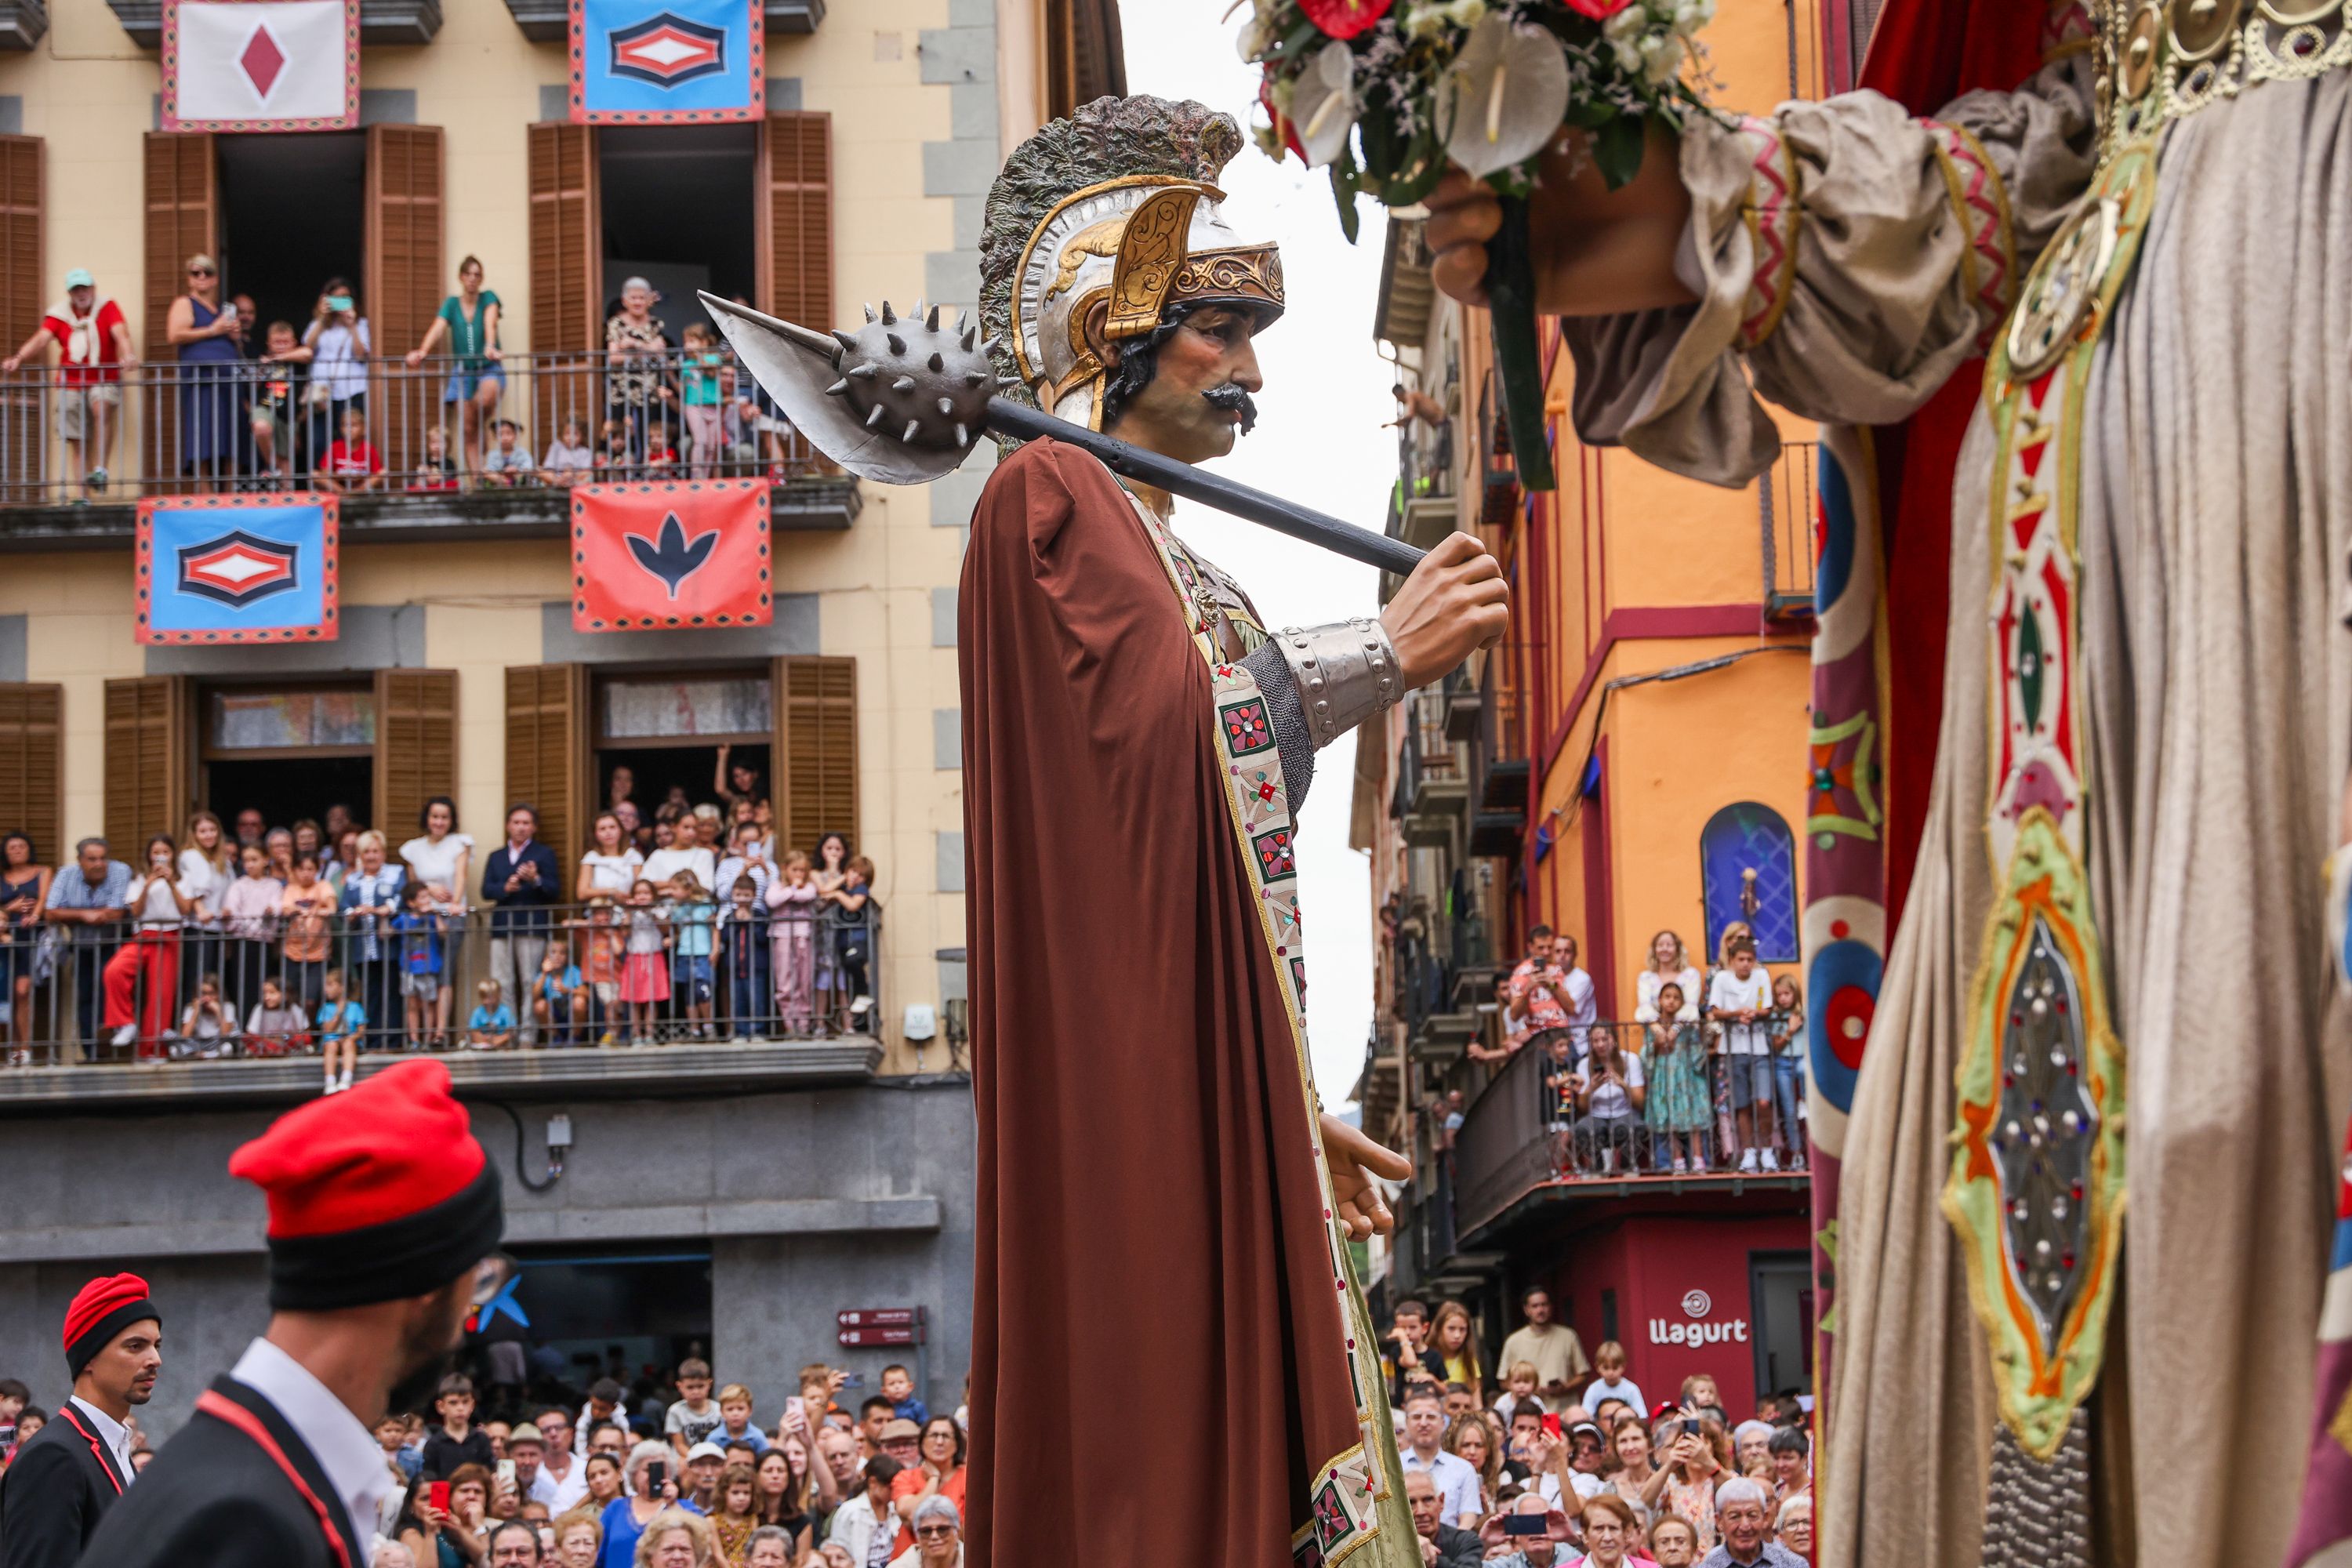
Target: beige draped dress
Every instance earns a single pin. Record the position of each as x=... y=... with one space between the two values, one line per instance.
x=2216 y=513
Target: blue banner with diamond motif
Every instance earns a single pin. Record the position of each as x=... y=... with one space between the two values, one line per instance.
x=668 y=62
x=237 y=569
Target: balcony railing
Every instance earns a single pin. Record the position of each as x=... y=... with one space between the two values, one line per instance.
x=1499 y=767
x=1788 y=508
x=173 y=429
x=1522 y=1131
x=253 y=987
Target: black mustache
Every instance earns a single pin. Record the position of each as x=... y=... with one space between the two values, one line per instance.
x=1230 y=399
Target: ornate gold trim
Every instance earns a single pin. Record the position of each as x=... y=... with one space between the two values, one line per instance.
x=1021 y=269
x=1150 y=251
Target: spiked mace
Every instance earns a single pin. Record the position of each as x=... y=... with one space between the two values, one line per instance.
x=900 y=400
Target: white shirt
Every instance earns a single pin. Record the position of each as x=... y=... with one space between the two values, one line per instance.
x=436 y=864
x=853 y=1524
x=110 y=1431
x=1645 y=992
x=1456 y=1483
x=560 y=1495
x=204 y=882
x=1586 y=1487
x=346 y=1451
x=1583 y=1009
x=612 y=873
x=664 y=864
x=1729 y=993
x=1611 y=1100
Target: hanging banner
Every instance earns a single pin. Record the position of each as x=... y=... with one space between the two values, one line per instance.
x=236 y=569
x=668 y=62
x=671 y=554
x=261 y=65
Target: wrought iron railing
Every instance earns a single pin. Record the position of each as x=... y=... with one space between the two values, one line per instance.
x=255 y=986
x=384 y=425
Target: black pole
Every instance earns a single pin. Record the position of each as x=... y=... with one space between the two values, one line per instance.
x=1018 y=419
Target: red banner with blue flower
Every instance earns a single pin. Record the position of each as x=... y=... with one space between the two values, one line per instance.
x=670 y=556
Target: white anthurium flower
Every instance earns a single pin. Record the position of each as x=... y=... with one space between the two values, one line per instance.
x=1503 y=97
x=1464 y=12
x=1626 y=26
x=1691 y=15
x=1323 y=103
x=1661 y=59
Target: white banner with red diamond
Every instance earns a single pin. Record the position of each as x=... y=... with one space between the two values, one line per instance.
x=261 y=65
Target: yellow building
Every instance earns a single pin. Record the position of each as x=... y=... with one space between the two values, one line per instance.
x=1629 y=761
x=865 y=180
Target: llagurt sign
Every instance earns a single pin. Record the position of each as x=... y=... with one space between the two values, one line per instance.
x=1702 y=1328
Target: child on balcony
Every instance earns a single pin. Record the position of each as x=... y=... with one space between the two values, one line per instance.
x=1788 y=1040
x=558 y=1002
x=744 y=953
x=791 y=908
x=601 y=960
x=491 y=1026
x=568 y=455
x=340 y=1019
x=418 y=934
x=693 y=922
x=645 y=975
x=208 y=1027
x=705 y=420
x=1679 y=1107
x=276 y=1026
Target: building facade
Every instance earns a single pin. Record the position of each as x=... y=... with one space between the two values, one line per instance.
x=805 y=1177
x=1628 y=762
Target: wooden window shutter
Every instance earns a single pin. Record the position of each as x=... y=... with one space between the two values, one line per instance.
x=416 y=745
x=22 y=303
x=401 y=278
x=566 y=266
x=815 y=788
x=796 y=224
x=182 y=219
x=32 y=770
x=150 y=760
x=547 y=751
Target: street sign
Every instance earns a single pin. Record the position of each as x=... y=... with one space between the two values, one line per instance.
x=854 y=1338
x=881 y=1326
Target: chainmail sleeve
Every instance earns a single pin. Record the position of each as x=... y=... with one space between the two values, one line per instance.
x=1288 y=716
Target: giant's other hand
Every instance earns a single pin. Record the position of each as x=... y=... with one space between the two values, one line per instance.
x=1597 y=251
x=1354 y=1160
x=1454 y=602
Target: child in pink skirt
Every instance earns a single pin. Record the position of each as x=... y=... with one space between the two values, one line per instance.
x=792 y=935
x=645 y=972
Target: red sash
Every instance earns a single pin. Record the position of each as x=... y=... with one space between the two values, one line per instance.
x=66 y=1411
x=213 y=1404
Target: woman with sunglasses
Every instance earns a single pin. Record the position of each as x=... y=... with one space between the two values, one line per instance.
x=203 y=331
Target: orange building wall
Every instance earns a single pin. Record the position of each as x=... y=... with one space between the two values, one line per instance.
x=1626 y=570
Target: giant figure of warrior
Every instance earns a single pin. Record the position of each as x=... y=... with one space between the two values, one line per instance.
x=1172 y=1366
x=2112 y=555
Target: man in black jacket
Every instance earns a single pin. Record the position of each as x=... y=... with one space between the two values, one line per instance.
x=68 y=1474
x=381 y=1207
x=522 y=878
x=1442 y=1545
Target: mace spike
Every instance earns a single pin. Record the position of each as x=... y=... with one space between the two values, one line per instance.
x=870 y=313
x=874 y=418
x=971 y=337
x=991 y=346
x=933 y=319
x=889 y=317
x=866 y=372
x=898 y=345
x=977 y=378
x=905 y=383
x=848 y=343
x=946 y=405
x=914 y=428
x=939 y=364
x=963 y=436
x=837 y=388
x=1005 y=381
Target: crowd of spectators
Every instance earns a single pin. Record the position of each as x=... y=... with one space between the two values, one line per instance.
x=689 y=922
x=1706 y=1076
x=1540 y=1457
x=256 y=406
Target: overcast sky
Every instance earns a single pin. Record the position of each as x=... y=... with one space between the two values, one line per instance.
x=1318 y=441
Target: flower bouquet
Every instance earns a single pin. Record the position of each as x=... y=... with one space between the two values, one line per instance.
x=1387 y=93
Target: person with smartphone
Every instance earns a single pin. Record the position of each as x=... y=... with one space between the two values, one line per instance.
x=652 y=1486
x=1538 y=1533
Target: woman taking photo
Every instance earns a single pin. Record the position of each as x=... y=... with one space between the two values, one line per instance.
x=1454 y=1335
x=459 y=1538
x=338 y=339
x=627 y=1518
x=24 y=889
x=143 y=978
x=469 y=322
x=1698 y=1457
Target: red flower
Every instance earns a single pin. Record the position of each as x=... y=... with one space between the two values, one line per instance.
x=1346 y=19
x=1275 y=117
x=1599 y=10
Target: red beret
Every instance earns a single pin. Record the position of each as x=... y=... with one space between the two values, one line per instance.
x=396 y=1145
x=373 y=1194
x=102 y=1309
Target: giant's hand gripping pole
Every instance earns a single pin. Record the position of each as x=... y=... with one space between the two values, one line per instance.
x=899 y=401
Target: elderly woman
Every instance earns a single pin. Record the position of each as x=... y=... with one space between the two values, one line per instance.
x=674 y=1538
x=939 y=1537
x=1673 y=1542
x=459 y=1538
x=627 y=1516
x=1796 y=1525
x=770 y=1547
x=579 y=1538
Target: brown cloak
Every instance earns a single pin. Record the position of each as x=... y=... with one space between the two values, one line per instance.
x=1161 y=1363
